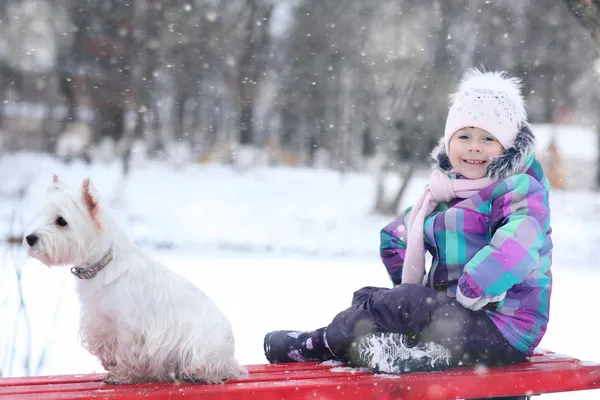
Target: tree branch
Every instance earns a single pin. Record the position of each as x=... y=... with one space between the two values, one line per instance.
x=588 y=14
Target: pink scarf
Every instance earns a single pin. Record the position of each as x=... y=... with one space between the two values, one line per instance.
x=440 y=188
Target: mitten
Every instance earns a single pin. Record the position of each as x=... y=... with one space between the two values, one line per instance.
x=472 y=297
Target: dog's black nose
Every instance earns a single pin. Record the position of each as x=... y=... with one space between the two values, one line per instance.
x=31 y=239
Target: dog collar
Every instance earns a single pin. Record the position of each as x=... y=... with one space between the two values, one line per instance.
x=90 y=272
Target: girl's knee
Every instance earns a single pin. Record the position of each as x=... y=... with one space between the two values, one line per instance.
x=364 y=294
x=411 y=293
x=402 y=299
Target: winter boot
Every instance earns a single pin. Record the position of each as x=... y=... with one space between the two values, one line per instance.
x=393 y=353
x=295 y=346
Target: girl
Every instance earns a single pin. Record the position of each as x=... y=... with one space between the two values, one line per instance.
x=485 y=219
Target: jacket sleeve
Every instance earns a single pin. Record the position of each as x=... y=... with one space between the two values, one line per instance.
x=519 y=223
x=393 y=246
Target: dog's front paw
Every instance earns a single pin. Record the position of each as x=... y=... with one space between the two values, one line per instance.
x=190 y=379
x=116 y=379
x=108 y=365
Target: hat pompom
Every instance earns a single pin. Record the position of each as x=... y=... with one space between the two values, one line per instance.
x=496 y=81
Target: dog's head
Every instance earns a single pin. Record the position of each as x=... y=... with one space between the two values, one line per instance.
x=68 y=227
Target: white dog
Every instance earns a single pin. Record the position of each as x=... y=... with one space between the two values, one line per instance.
x=144 y=322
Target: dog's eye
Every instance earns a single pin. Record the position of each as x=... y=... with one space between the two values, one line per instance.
x=60 y=221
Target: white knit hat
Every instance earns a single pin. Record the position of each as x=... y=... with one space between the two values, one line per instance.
x=489 y=101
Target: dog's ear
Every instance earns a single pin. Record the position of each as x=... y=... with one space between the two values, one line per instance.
x=90 y=197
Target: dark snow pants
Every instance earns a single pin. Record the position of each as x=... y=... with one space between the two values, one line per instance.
x=425 y=315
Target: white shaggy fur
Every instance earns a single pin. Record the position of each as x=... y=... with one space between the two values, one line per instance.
x=144 y=322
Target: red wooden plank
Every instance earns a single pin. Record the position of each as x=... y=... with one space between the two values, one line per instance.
x=256 y=379
x=359 y=387
x=48 y=379
x=254 y=370
x=545 y=373
x=262 y=372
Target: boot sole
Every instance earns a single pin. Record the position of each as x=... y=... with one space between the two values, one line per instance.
x=387 y=353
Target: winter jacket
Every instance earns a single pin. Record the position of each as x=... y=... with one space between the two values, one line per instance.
x=497 y=241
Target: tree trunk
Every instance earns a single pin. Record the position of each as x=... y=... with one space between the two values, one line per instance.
x=391 y=208
x=67 y=90
x=246 y=123
x=598 y=163
x=179 y=122
x=252 y=66
x=407 y=177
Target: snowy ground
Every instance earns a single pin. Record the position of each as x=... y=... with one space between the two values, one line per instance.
x=275 y=248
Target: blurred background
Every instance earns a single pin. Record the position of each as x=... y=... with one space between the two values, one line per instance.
x=292 y=129
x=346 y=85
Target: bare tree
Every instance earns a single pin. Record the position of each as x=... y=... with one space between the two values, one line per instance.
x=588 y=14
x=401 y=69
x=252 y=63
x=338 y=82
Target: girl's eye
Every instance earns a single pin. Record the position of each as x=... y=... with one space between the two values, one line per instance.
x=489 y=139
x=60 y=221
x=463 y=137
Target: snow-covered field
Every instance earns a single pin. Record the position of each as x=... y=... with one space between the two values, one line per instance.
x=276 y=248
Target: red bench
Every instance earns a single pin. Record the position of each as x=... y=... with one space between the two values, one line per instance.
x=546 y=372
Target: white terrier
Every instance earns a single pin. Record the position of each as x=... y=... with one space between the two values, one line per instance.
x=144 y=322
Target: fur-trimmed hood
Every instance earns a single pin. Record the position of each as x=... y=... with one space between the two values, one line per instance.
x=513 y=161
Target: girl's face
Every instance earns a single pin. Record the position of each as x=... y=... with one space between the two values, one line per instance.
x=471 y=150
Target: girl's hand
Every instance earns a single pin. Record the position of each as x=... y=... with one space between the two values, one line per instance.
x=468 y=298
